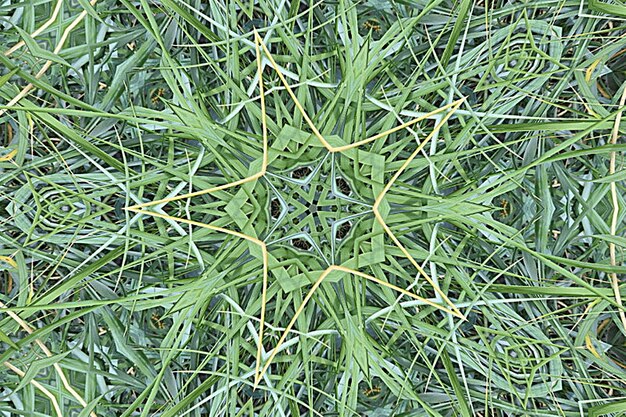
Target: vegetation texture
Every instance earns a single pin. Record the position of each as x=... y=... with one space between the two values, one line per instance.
x=296 y=208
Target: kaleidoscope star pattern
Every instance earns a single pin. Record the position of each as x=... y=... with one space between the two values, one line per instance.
x=317 y=227
x=287 y=208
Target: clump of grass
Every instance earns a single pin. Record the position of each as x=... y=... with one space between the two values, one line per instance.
x=513 y=208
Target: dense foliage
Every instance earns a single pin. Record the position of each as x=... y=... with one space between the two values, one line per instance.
x=507 y=207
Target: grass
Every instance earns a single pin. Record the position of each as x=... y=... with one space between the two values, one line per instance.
x=294 y=208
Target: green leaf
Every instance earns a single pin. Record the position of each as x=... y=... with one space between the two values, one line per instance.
x=37 y=51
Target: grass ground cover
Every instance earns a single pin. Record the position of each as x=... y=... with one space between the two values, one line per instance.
x=298 y=208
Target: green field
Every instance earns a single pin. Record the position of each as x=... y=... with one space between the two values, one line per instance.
x=312 y=208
